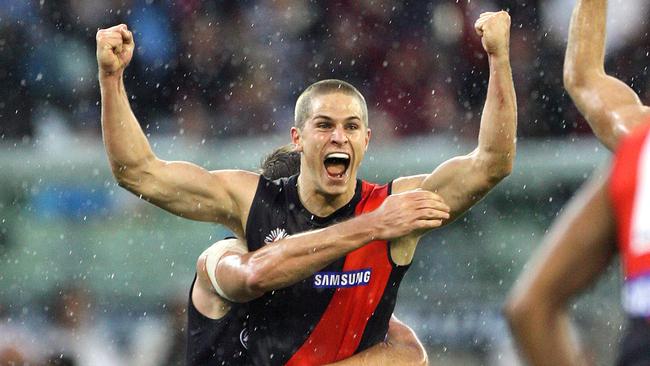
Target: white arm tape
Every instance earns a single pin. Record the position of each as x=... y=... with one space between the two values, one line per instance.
x=214 y=253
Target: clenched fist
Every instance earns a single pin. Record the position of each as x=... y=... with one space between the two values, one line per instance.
x=114 y=49
x=494 y=29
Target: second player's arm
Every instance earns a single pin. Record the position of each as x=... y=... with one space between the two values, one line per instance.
x=243 y=277
x=464 y=180
x=401 y=348
x=575 y=252
x=610 y=107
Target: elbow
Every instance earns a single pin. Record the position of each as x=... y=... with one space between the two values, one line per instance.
x=420 y=356
x=494 y=164
x=574 y=84
x=575 y=72
x=498 y=167
x=417 y=353
x=131 y=177
x=577 y=80
x=572 y=79
x=500 y=171
x=119 y=173
x=257 y=282
x=517 y=310
x=523 y=312
x=124 y=180
x=406 y=344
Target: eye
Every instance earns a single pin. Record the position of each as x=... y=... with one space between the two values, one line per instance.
x=352 y=126
x=323 y=125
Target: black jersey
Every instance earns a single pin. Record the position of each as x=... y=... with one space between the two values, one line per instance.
x=338 y=311
x=216 y=341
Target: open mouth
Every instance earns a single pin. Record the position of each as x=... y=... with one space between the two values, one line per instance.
x=336 y=164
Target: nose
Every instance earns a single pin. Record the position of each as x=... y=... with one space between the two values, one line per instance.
x=339 y=136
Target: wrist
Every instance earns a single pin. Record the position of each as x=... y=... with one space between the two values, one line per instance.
x=111 y=82
x=110 y=78
x=500 y=56
x=367 y=227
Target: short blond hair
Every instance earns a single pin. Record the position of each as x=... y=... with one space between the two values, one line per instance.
x=303 y=104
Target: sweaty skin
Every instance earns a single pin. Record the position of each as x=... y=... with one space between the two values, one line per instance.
x=335 y=125
x=401 y=348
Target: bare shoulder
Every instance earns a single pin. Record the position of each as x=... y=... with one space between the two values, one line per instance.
x=242 y=186
x=237 y=178
x=239 y=182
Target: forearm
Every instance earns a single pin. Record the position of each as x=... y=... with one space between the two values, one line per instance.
x=537 y=305
x=545 y=337
x=611 y=107
x=292 y=259
x=498 y=131
x=126 y=145
x=585 y=53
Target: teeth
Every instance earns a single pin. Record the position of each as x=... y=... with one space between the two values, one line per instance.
x=338 y=156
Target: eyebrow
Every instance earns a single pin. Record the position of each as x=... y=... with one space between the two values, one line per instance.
x=330 y=118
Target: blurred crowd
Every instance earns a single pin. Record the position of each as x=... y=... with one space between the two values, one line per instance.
x=73 y=329
x=222 y=69
x=212 y=70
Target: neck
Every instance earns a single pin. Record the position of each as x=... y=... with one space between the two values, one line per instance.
x=320 y=203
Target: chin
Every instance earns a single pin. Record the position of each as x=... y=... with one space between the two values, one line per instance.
x=336 y=187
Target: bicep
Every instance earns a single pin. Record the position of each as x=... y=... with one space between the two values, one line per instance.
x=577 y=249
x=190 y=191
x=461 y=182
x=610 y=106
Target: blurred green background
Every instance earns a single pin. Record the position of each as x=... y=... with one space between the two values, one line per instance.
x=65 y=220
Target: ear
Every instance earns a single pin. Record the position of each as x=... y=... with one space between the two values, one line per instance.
x=295 y=138
x=368 y=134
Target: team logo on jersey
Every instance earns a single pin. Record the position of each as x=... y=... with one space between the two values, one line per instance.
x=243 y=338
x=359 y=277
x=275 y=235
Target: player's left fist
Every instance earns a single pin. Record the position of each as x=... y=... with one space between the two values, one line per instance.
x=494 y=29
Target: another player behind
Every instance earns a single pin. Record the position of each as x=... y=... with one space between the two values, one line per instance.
x=217 y=331
x=612 y=208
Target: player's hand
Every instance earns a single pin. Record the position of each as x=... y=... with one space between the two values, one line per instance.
x=114 y=49
x=406 y=212
x=494 y=29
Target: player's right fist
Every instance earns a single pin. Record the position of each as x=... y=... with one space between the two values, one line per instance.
x=114 y=49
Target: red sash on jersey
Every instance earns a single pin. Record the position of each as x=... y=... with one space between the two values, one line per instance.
x=624 y=190
x=339 y=331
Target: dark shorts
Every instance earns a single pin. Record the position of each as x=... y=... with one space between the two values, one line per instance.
x=635 y=347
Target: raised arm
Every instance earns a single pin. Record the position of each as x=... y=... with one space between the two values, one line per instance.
x=611 y=107
x=243 y=277
x=464 y=180
x=179 y=187
x=578 y=247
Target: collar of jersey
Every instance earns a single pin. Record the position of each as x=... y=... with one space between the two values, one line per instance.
x=343 y=213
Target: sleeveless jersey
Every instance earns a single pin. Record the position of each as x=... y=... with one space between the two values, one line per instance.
x=217 y=342
x=630 y=196
x=335 y=313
